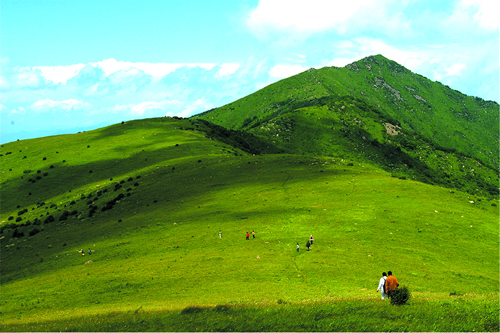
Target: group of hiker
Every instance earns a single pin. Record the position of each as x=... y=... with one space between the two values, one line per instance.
x=387 y=284
x=308 y=244
x=248 y=235
x=83 y=251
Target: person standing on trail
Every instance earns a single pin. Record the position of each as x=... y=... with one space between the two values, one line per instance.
x=248 y=235
x=381 y=285
x=308 y=245
x=391 y=284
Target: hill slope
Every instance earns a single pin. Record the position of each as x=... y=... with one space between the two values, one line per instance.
x=150 y=197
x=375 y=108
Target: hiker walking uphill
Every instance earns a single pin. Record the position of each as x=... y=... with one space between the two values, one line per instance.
x=308 y=245
x=381 y=286
x=391 y=284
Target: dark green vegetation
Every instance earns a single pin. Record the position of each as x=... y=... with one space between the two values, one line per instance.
x=400 y=296
x=149 y=198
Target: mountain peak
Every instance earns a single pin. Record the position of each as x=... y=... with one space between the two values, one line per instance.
x=377 y=61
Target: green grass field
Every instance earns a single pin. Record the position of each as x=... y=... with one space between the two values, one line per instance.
x=158 y=263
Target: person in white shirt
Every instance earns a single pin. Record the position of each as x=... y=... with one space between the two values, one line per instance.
x=381 y=285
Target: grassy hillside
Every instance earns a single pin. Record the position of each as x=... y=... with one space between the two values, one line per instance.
x=149 y=198
x=418 y=105
x=347 y=128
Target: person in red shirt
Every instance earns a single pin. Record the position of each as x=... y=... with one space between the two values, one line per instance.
x=391 y=284
x=248 y=235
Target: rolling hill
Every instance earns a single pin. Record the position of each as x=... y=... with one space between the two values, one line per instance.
x=149 y=198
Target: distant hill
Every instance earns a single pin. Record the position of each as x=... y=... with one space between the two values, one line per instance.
x=377 y=111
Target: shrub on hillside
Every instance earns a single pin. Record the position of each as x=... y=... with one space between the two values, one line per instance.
x=49 y=219
x=193 y=309
x=17 y=234
x=400 y=296
x=34 y=232
x=64 y=216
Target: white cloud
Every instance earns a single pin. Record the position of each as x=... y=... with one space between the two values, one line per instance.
x=283 y=71
x=149 y=107
x=484 y=13
x=140 y=108
x=227 y=69
x=19 y=110
x=60 y=74
x=66 y=105
x=110 y=66
x=201 y=104
x=455 y=70
x=304 y=18
x=28 y=78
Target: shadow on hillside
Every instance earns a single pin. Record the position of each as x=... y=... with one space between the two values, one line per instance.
x=64 y=178
x=170 y=191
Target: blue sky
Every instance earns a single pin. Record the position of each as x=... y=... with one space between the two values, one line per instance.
x=68 y=66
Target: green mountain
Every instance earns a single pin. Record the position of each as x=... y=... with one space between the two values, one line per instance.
x=379 y=112
x=149 y=198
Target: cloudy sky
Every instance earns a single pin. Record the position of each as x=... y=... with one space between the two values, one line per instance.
x=68 y=66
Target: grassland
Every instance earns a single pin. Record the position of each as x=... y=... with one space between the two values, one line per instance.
x=163 y=189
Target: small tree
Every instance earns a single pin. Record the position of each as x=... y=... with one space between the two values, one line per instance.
x=400 y=296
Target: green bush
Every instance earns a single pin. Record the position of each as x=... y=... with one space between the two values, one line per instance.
x=193 y=309
x=400 y=296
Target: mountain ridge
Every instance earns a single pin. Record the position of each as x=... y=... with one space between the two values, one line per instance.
x=437 y=112
x=376 y=111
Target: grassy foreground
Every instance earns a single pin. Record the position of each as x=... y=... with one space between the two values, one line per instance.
x=442 y=313
x=159 y=264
